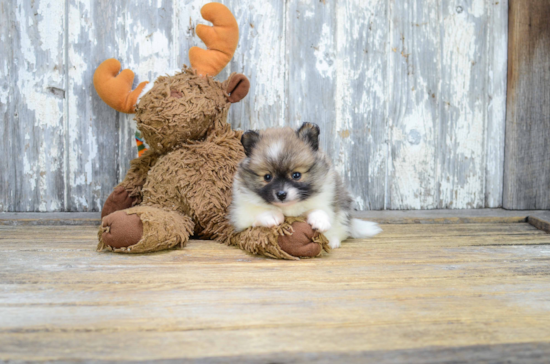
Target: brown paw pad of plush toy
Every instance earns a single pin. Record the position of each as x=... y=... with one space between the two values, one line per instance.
x=301 y=243
x=181 y=186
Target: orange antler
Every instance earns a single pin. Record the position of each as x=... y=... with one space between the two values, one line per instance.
x=116 y=88
x=220 y=39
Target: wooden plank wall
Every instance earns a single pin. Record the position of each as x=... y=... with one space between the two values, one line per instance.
x=527 y=162
x=410 y=95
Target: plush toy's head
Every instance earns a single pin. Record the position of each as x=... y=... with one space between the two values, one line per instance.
x=180 y=108
x=184 y=106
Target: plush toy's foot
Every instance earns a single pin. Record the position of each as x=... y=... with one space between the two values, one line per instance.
x=144 y=229
x=118 y=200
x=301 y=243
x=121 y=230
x=293 y=239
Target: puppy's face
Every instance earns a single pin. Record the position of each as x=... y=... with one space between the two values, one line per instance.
x=283 y=166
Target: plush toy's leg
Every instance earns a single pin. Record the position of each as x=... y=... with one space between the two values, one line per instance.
x=292 y=240
x=143 y=229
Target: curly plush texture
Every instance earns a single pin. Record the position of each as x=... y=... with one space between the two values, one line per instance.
x=137 y=175
x=180 y=108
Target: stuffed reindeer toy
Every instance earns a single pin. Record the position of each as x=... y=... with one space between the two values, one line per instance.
x=181 y=186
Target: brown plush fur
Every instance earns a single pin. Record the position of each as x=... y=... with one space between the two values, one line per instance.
x=182 y=185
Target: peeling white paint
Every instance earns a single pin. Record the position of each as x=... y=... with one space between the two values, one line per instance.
x=360 y=92
x=477 y=8
x=262 y=56
x=324 y=53
x=414 y=183
x=465 y=186
x=52 y=15
x=38 y=92
x=422 y=151
x=80 y=139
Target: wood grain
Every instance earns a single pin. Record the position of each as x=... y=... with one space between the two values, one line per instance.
x=93 y=127
x=7 y=180
x=476 y=216
x=527 y=166
x=496 y=44
x=541 y=221
x=462 y=124
x=357 y=137
x=261 y=57
x=34 y=130
x=419 y=287
x=444 y=123
x=311 y=55
x=414 y=102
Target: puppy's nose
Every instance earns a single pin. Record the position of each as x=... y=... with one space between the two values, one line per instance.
x=281 y=195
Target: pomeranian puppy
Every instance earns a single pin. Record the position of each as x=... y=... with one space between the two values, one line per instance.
x=286 y=174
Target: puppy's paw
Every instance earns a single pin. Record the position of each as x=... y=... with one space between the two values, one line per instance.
x=334 y=243
x=319 y=220
x=269 y=219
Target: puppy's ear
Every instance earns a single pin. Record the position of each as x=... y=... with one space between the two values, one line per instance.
x=249 y=140
x=309 y=133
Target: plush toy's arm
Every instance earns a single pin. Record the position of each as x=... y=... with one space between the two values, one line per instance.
x=137 y=174
x=128 y=192
x=292 y=240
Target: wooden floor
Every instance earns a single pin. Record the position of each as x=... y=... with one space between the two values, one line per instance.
x=416 y=293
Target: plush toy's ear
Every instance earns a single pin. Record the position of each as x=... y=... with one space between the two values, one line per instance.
x=238 y=87
x=309 y=133
x=114 y=88
x=249 y=140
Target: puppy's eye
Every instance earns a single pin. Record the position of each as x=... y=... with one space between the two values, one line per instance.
x=296 y=176
x=268 y=177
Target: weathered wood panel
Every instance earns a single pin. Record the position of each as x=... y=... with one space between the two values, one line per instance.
x=93 y=127
x=495 y=100
x=527 y=162
x=311 y=56
x=409 y=95
x=7 y=180
x=34 y=128
x=357 y=135
x=461 y=155
x=446 y=107
x=261 y=57
x=413 y=94
x=412 y=287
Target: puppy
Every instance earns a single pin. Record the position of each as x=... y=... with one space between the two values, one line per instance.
x=285 y=174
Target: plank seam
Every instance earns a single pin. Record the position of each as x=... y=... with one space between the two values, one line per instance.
x=66 y=111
